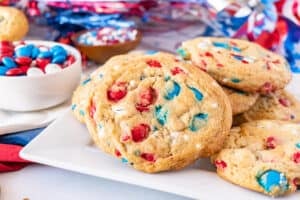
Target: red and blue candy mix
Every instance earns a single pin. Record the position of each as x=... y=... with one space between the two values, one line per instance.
x=32 y=60
x=107 y=36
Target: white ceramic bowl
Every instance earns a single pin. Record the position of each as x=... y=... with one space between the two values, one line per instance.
x=23 y=93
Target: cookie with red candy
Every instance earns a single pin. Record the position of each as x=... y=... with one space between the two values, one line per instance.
x=263 y=156
x=279 y=105
x=153 y=111
x=238 y=64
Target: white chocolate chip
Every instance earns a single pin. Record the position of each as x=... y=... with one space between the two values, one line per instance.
x=118 y=110
x=198 y=146
x=186 y=137
x=225 y=80
x=214 y=105
x=116 y=67
x=174 y=136
x=101 y=131
x=203 y=45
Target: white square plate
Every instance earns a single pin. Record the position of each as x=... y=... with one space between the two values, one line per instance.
x=66 y=144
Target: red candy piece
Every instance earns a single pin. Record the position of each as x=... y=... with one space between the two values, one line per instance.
x=176 y=70
x=154 y=63
x=23 y=60
x=14 y=72
x=148 y=156
x=220 y=164
x=117 y=153
x=140 y=132
x=117 y=91
x=296 y=181
x=296 y=157
x=125 y=138
x=24 y=68
x=267 y=87
x=284 y=102
x=6 y=43
x=92 y=110
x=146 y=98
x=6 y=49
x=220 y=65
x=245 y=61
x=270 y=142
x=208 y=54
x=42 y=62
x=70 y=60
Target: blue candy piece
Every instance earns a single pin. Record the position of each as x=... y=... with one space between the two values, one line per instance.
x=124 y=160
x=9 y=62
x=183 y=53
x=45 y=54
x=57 y=48
x=59 y=59
x=35 y=52
x=198 y=121
x=172 y=92
x=298 y=145
x=197 y=93
x=273 y=180
x=3 y=70
x=73 y=107
x=86 y=81
x=236 y=49
x=221 y=45
x=161 y=114
x=24 y=51
x=81 y=112
x=235 y=80
x=59 y=53
x=238 y=57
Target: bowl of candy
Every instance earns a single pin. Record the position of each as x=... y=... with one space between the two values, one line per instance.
x=35 y=75
x=101 y=44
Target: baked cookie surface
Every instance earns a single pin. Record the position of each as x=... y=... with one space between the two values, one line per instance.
x=263 y=156
x=238 y=64
x=155 y=112
x=280 y=105
x=14 y=24
x=240 y=101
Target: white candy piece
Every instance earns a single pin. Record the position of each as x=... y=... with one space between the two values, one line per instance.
x=52 y=68
x=34 y=71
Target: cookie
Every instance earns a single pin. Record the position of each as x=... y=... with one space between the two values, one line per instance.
x=240 y=101
x=263 y=156
x=156 y=112
x=280 y=105
x=238 y=64
x=13 y=23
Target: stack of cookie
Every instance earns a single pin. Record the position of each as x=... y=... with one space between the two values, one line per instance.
x=153 y=111
x=158 y=113
x=247 y=72
x=260 y=155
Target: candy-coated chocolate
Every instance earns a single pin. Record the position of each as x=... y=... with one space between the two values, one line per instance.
x=8 y=62
x=272 y=180
x=23 y=60
x=34 y=71
x=52 y=68
x=59 y=59
x=3 y=70
x=198 y=121
x=14 y=72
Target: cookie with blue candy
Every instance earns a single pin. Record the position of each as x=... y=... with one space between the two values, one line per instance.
x=263 y=156
x=154 y=111
x=238 y=64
